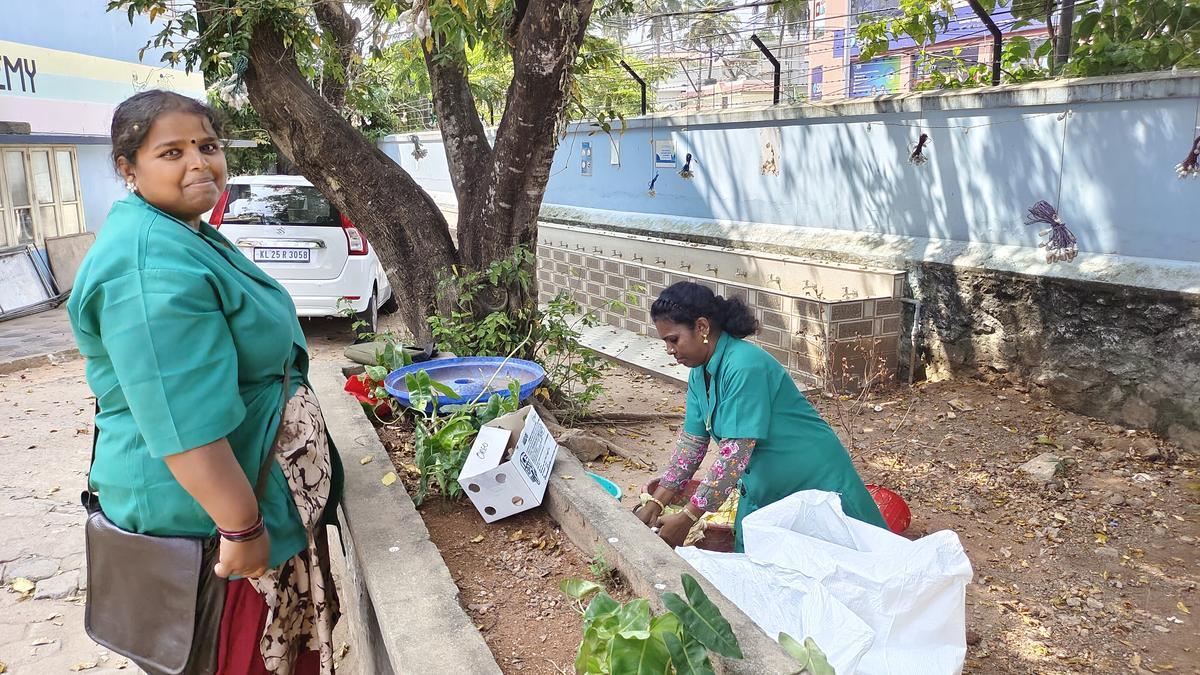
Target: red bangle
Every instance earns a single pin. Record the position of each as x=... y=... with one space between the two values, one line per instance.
x=252 y=532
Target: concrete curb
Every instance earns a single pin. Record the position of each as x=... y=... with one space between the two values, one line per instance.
x=594 y=521
x=401 y=598
x=48 y=359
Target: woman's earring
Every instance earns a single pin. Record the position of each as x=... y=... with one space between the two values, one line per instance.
x=130 y=185
x=706 y=338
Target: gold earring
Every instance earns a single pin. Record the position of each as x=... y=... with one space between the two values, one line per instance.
x=706 y=338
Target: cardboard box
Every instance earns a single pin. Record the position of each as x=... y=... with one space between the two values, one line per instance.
x=509 y=465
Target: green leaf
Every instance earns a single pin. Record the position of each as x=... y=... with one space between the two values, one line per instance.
x=639 y=656
x=442 y=388
x=580 y=589
x=376 y=373
x=633 y=621
x=687 y=655
x=1085 y=26
x=602 y=606
x=808 y=654
x=592 y=655
x=702 y=619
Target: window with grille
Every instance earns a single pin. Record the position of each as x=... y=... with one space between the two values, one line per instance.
x=39 y=194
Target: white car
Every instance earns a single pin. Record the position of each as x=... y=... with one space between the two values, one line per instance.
x=290 y=230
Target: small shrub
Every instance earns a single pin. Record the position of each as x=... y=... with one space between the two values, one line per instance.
x=484 y=322
x=442 y=437
x=630 y=638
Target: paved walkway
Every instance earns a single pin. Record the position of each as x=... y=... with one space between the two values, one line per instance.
x=45 y=443
x=35 y=340
x=45 y=418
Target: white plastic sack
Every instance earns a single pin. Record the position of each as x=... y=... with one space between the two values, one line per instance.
x=783 y=601
x=912 y=594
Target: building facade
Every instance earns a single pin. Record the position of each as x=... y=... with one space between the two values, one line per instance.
x=65 y=65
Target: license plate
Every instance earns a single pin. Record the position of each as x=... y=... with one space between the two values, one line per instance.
x=297 y=255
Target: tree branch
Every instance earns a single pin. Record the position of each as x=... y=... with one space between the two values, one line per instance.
x=545 y=46
x=340 y=28
x=468 y=152
x=400 y=220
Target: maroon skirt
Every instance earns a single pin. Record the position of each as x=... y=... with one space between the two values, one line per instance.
x=242 y=625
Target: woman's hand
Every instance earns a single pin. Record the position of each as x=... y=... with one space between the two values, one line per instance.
x=674 y=528
x=648 y=513
x=244 y=559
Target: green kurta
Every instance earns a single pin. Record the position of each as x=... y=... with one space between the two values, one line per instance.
x=186 y=341
x=752 y=396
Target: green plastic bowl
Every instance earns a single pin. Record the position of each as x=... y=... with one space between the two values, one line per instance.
x=609 y=486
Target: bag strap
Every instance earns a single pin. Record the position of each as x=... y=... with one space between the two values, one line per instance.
x=91 y=500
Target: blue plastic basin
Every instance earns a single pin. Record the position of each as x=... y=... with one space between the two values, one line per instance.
x=609 y=486
x=471 y=377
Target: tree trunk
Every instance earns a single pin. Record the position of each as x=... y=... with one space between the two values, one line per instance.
x=399 y=219
x=1050 y=35
x=1066 y=32
x=545 y=45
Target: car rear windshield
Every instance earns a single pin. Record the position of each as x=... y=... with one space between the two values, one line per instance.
x=279 y=205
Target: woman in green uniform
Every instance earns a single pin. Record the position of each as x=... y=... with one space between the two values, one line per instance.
x=770 y=440
x=189 y=346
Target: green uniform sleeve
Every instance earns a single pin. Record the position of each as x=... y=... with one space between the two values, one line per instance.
x=693 y=417
x=744 y=407
x=173 y=355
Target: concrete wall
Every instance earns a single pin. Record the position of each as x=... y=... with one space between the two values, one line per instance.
x=1103 y=150
x=843 y=166
x=98 y=182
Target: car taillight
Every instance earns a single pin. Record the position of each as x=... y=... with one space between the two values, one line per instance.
x=355 y=241
x=219 y=210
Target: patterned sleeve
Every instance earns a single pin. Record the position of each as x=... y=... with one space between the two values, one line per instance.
x=723 y=475
x=689 y=453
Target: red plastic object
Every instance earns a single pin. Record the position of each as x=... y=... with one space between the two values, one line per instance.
x=895 y=511
x=218 y=212
x=358 y=388
x=717 y=538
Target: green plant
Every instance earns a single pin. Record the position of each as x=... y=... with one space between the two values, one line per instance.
x=620 y=639
x=600 y=569
x=1106 y=38
x=491 y=317
x=442 y=437
x=811 y=658
x=1127 y=36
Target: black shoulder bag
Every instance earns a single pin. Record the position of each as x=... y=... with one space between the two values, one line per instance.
x=156 y=600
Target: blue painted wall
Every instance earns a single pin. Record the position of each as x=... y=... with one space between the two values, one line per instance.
x=1119 y=192
x=98 y=182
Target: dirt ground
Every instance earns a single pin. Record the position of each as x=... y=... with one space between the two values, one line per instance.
x=508 y=574
x=1095 y=572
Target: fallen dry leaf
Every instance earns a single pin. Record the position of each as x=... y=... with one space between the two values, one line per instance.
x=3 y=668
x=478 y=538
x=22 y=585
x=84 y=665
x=1046 y=440
x=517 y=536
x=366 y=459
x=388 y=478
x=40 y=641
x=567 y=476
x=1182 y=607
